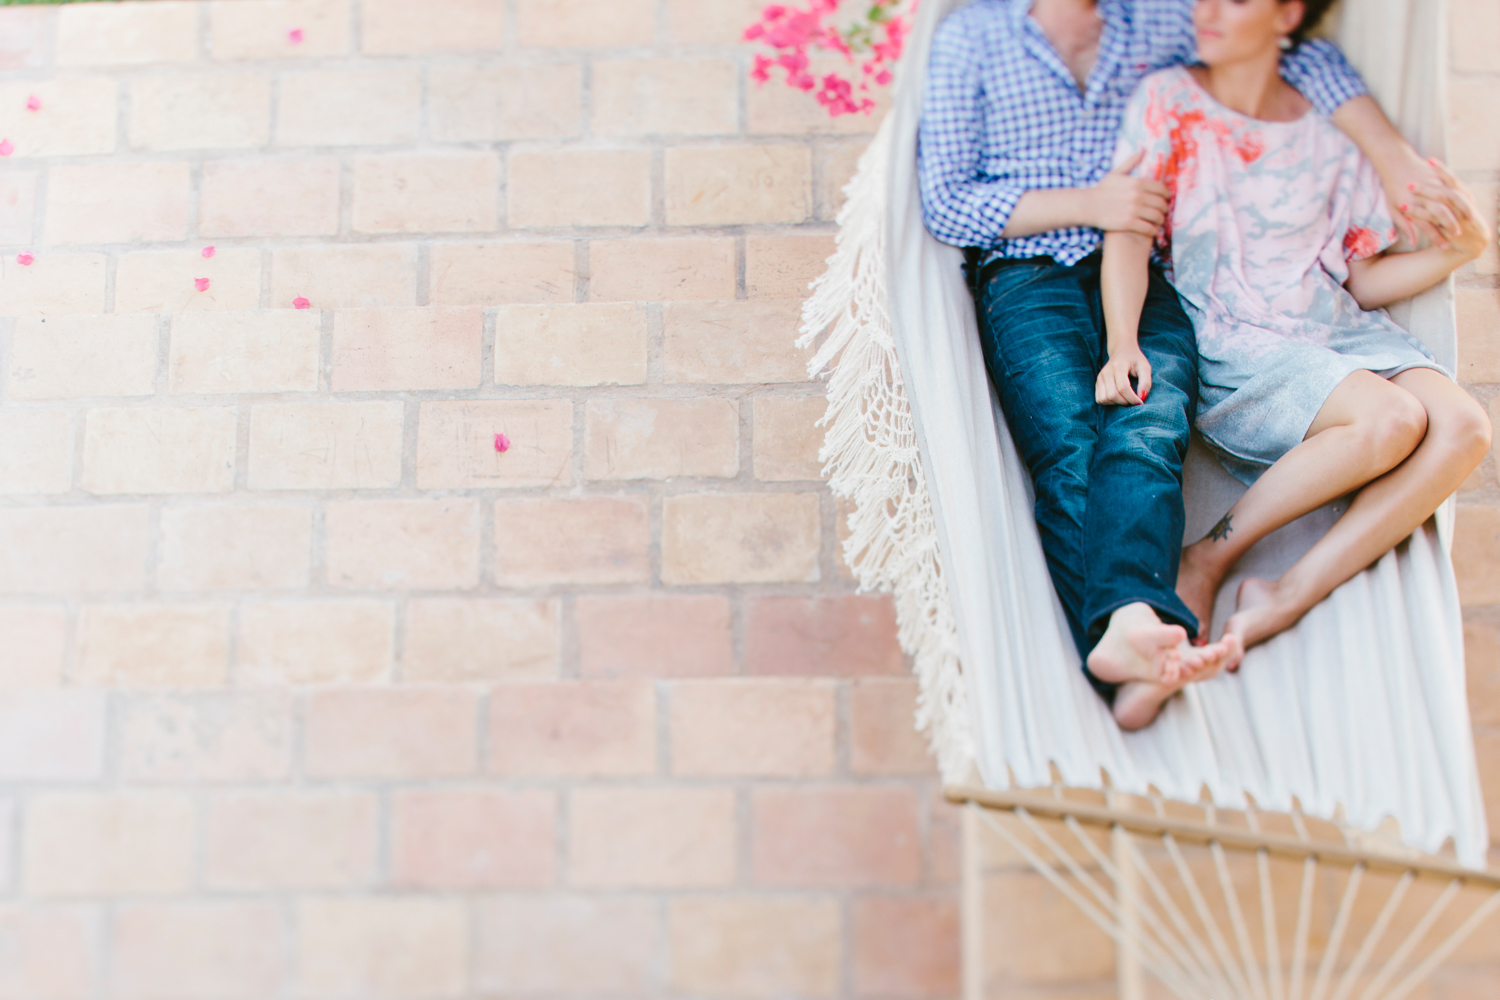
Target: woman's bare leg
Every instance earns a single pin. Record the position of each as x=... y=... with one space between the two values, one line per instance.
x=1385 y=512
x=1365 y=428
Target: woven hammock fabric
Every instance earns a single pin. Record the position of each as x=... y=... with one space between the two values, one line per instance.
x=1359 y=713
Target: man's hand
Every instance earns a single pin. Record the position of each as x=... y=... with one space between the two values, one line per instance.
x=1112 y=387
x=1122 y=203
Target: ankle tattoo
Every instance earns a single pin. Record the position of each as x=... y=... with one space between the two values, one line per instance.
x=1222 y=529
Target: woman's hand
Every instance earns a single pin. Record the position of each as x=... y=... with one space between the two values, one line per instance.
x=1124 y=203
x=1471 y=234
x=1112 y=387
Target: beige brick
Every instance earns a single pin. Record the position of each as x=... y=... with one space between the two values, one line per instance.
x=1021 y=905
x=36 y=638
x=837 y=164
x=416 y=544
x=782 y=267
x=678 y=96
x=756 y=538
x=773 y=108
x=406 y=732
x=883 y=737
x=153 y=645
x=166 y=282
x=473 y=838
x=118 y=202
x=570 y=345
x=23 y=37
x=711 y=22
x=586 y=23
x=847 y=635
x=643 y=269
x=85 y=844
x=654 y=635
x=738 y=184
x=1476 y=555
x=80 y=356
x=285 y=840
x=591 y=944
x=408 y=26
x=54 y=284
x=50 y=735
x=755 y=946
x=762 y=728
x=17 y=205
x=185 y=950
x=266 y=197
x=243 y=546
x=787 y=437
x=906 y=947
x=348 y=107
x=407 y=349
x=1478 y=335
x=54 y=950
x=181 y=450
x=574 y=540
x=227 y=736
x=578 y=187
x=460 y=640
x=490 y=102
x=836 y=836
x=733 y=342
x=78 y=116
x=345 y=277
x=261 y=30
x=456 y=444
x=1475 y=27
x=668 y=838
x=316 y=642
x=71 y=550
x=493 y=274
x=583 y=728
x=200 y=111
x=128 y=35
x=1488 y=196
x=661 y=438
x=446 y=193
x=1474 y=141
x=244 y=352
x=325 y=446
x=1482 y=672
x=397 y=947
x=36 y=451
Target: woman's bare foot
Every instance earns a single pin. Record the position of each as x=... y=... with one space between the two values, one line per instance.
x=1198 y=583
x=1138 y=703
x=1138 y=646
x=1261 y=611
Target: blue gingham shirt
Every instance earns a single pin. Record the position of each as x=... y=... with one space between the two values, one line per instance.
x=1003 y=114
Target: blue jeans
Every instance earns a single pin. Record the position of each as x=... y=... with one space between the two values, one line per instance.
x=1108 y=478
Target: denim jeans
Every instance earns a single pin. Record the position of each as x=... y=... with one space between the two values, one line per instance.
x=1108 y=479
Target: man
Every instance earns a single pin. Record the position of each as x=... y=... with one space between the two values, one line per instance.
x=1022 y=106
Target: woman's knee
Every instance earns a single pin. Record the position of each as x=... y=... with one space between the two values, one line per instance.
x=1461 y=426
x=1391 y=426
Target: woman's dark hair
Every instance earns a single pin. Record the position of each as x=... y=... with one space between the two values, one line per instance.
x=1313 y=13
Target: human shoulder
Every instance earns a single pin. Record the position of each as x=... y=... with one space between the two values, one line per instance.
x=975 y=27
x=1173 y=85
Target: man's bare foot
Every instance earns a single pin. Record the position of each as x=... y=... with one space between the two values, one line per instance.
x=1261 y=611
x=1138 y=646
x=1138 y=703
x=1198 y=585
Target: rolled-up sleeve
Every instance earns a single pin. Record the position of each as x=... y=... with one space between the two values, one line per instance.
x=1320 y=71
x=959 y=205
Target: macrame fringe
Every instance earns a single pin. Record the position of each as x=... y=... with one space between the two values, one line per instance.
x=871 y=458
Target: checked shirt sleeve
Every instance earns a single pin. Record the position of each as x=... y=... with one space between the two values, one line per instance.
x=1320 y=71
x=959 y=205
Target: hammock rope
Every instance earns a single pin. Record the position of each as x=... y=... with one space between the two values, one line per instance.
x=1201 y=959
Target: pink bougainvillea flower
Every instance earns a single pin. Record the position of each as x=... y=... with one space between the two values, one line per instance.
x=7 y=147
x=502 y=443
x=294 y=36
x=33 y=103
x=201 y=284
x=24 y=259
x=208 y=251
x=300 y=303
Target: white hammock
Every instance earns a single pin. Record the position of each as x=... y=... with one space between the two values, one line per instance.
x=1359 y=713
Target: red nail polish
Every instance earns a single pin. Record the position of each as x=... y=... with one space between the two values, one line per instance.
x=1405 y=207
x=1412 y=186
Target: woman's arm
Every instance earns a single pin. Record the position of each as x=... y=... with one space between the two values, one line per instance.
x=1124 y=278
x=1416 y=191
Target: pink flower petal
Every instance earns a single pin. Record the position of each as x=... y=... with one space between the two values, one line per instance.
x=33 y=103
x=201 y=284
x=294 y=36
x=502 y=443
x=208 y=251
x=24 y=259
x=7 y=147
x=300 y=303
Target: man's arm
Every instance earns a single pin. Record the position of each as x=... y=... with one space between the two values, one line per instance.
x=1119 y=202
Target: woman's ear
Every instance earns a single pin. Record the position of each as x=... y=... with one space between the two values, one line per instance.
x=1290 y=15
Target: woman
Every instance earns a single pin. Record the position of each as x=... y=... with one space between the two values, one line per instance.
x=1276 y=237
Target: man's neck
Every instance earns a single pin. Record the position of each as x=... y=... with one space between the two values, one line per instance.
x=1073 y=27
